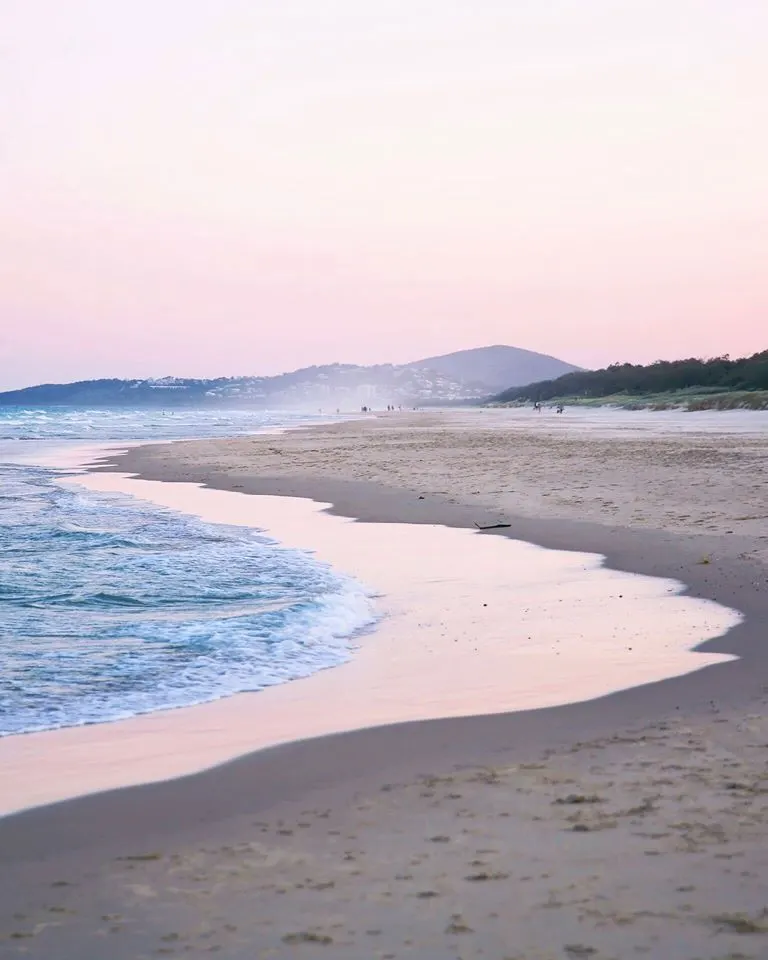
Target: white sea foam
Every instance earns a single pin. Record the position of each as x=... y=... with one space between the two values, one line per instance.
x=112 y=607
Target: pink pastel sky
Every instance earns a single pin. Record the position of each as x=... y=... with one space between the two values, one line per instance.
x=215 y=187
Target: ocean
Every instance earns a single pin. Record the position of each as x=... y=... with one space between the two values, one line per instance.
x=111 y=606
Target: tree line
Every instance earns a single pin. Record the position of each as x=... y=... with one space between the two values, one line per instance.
x=663 y=376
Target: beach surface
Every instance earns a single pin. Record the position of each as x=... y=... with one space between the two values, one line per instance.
x=631 y=824
x=685 y=473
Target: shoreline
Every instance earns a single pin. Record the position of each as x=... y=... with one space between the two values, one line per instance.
x=280 y=785
x=736 y=585
x=466 y=626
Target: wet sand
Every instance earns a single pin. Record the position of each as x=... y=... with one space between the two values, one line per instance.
x=467 y=624
x=633 y=824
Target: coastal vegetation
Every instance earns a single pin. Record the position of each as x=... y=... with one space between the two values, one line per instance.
x=696 y=384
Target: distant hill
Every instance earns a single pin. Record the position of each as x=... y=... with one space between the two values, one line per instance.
x=664 y=376
x=499 y=367
x=467 y=375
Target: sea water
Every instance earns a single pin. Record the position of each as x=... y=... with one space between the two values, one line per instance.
x=111 y=606
x=149 y=423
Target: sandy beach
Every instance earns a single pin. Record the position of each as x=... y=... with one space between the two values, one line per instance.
x=645 y=474
x=629 y=823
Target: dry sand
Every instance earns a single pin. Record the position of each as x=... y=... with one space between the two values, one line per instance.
x=632 y=825
x=648 y=843
x=592 y=468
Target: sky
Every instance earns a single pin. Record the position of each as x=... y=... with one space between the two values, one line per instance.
x=225 y=187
